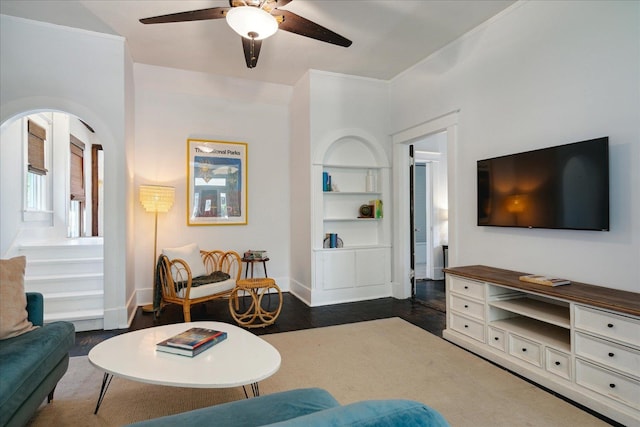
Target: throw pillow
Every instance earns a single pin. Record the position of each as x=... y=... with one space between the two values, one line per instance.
x=189 y=254
x=13 y=301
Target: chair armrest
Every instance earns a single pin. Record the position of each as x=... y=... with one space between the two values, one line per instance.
x=35 y=308
x=178 y=277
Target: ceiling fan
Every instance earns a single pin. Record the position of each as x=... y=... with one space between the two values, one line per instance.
x=255 y=20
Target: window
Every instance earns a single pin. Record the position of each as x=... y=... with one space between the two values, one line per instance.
x=36 y=170
x=76 y=190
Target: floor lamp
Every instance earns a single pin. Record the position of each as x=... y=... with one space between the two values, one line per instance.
x=156 y=199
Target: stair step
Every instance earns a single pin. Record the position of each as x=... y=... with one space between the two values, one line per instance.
x=56 y=277
x=66 y=302
x=53 y=267
x=83 y=320
x=73 y=295
x=64 y=283
x=86 y=247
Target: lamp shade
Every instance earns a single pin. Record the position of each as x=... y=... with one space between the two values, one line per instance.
x=252 y=22
x=157 y=198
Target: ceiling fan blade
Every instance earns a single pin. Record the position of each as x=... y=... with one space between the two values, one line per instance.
x=251 y=51
x=193 y=15
x=299 y=25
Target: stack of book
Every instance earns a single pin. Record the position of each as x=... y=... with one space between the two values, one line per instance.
x=544 y=280
x=256 y=255
x=191 y=342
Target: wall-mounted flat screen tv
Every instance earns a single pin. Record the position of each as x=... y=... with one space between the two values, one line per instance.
x=562 y=187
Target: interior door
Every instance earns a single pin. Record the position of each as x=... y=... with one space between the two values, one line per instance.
x=412 y=238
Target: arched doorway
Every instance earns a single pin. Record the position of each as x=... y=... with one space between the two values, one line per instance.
x=51 y=202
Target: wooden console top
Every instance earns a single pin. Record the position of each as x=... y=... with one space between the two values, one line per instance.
x=596 y=296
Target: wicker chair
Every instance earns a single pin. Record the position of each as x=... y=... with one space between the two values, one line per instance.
x=177 y=284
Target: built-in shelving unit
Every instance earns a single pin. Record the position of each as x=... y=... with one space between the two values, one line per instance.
x=360 y=269
x=579 y=340
x=342 y=203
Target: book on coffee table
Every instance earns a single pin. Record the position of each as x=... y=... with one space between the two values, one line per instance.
x=544 y=280
x=191 y=342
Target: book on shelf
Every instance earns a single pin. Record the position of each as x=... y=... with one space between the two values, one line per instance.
x=192 y=341
x=377 y=208
x=544 y=280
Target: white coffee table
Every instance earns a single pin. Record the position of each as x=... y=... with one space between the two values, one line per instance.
x=242 y=359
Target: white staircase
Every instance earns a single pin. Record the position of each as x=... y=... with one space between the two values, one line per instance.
x=69 y=274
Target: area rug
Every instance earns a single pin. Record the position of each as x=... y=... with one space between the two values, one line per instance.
x=380 y=359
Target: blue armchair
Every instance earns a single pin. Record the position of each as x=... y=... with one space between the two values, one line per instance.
x=32 y=364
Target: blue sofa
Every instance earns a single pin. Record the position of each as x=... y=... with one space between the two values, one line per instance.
x=32 y=364
x=310 y=407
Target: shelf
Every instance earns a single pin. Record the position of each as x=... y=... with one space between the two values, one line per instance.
x=328 y=166
x=553 y=336
x=352 y=248
x=546 y=312
x=353 y=193
x=350 y=219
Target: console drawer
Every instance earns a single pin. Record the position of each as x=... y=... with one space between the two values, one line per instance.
x=468 y=307
x=608 y=383
x=467 y=326
x=497 y=338
x=526 y=350
x=466 y=287
x=612 y=326
x=622 y=358
x=558 y=363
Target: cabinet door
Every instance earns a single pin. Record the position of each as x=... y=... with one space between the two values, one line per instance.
x=371 y=267
x=339 y=269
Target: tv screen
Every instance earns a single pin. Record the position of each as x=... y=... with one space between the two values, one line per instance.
x=563 y=187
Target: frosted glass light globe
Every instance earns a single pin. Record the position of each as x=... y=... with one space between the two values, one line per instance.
x=252 y=22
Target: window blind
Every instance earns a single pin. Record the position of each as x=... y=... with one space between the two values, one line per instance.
x=35 y=150
x=76 y=164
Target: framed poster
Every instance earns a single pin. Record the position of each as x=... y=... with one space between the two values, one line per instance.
x=217 y=182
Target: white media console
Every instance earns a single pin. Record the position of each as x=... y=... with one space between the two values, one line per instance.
x=581 y=341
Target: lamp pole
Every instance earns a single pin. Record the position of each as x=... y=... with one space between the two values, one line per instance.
x=149 y=307
x=155 y=198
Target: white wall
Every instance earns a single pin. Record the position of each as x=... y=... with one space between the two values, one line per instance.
x=325 y=107
x=340 y=102
x=52 y=67
x=174 y=105
x=540 y=74
x=300 y=161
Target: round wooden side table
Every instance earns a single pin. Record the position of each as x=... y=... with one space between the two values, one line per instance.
x=251 y=261
x=255 y=315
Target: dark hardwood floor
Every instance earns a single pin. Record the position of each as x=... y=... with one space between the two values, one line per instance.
x=295 y=315
x=431 y=293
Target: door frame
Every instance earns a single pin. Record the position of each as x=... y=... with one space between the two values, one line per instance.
x=401 y=240
x=412 y=221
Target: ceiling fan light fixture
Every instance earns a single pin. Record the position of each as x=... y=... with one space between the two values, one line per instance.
x=252 y=22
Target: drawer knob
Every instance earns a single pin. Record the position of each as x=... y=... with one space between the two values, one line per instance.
x=612 y=385
x=497 y=339
x=466 y=306
x=610 y=325
x=466 y=287
x=524 y=349
x=466 y=326
x=611 y=354
x=557 y=363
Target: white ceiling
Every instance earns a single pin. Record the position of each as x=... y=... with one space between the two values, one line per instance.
x=388 y=36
